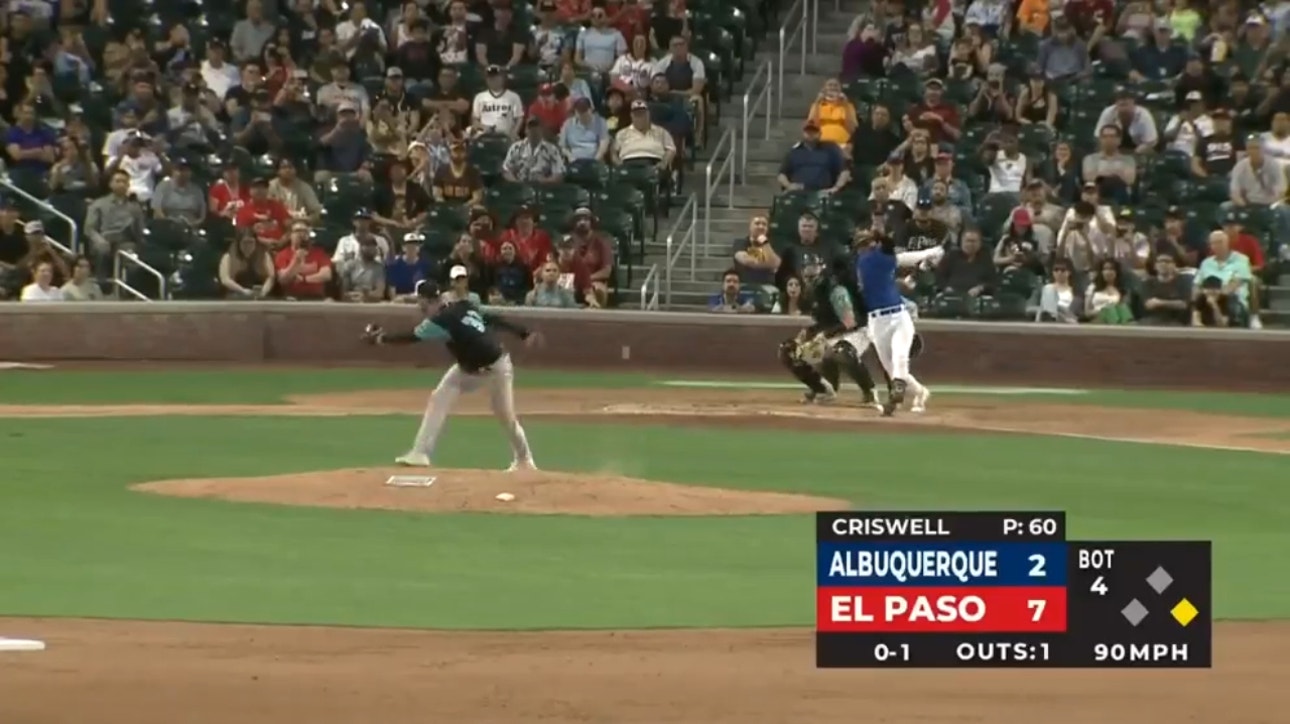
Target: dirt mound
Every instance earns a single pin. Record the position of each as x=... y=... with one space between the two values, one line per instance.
x=536 y=493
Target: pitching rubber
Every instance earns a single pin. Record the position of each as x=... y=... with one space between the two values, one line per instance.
x=21 y=645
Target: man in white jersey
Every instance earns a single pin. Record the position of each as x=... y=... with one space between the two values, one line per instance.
x=496 y=109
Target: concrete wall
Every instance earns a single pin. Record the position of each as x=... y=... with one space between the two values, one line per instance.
x=317 y=333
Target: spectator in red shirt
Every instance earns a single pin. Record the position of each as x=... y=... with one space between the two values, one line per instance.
x=573 y=11
x=549 y=110
x=587 y=255
x=1088 y=16
x=629 y=19
x=304 y=270
x=941 y=119
x=267 y=217
x=532 y=244
x=228 y=194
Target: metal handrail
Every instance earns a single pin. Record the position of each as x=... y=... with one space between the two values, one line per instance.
x=689 y=212
x=815 y=22
x=751 y=105
x=648 y=302
x=712 y=179
x=796 y=24
x=59 y=245
x=124 y=258
x=6 y=182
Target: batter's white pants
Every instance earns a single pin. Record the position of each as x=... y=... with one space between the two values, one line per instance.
x=892 y=332
x=500 y=380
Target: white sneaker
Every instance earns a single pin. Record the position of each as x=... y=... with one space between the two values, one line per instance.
x=413 y=459
x=525 y=465
x=920 y=401
x=1255 y=322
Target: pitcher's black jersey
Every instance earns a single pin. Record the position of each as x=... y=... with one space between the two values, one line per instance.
x=467 y=331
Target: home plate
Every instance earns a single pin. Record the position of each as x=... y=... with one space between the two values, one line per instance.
x=21 y=645
x=410 y=481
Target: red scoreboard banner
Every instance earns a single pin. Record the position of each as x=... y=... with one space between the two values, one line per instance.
x=952 y=589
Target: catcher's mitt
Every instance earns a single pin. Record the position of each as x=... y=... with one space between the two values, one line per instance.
x=812 y=349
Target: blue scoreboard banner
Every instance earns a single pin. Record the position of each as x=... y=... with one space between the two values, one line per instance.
x=1004 y=589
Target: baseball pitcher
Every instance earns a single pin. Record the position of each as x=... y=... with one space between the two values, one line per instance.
x=480 y=360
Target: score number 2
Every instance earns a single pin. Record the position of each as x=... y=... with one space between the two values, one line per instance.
x=1037 y=566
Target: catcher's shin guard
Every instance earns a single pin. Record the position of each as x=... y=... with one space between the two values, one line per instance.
x=801 y=371
x=847 y=359
x=831 y=371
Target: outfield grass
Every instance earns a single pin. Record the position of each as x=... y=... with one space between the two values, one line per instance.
x=75 y=541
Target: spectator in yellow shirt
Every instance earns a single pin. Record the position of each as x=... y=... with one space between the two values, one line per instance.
x=834 y=114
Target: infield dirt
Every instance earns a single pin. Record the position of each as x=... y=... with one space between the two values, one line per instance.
x=129 y=672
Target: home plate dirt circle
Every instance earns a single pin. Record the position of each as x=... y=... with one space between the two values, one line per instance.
x=466 y=490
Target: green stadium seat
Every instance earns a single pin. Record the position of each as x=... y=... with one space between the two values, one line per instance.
x=448 y=217
x=510 y=194
x=343 y=194
x=590 y=175
x=487 y=152
x=948 y=306
x=562 y=196
x=993 y=212
x=169 y=234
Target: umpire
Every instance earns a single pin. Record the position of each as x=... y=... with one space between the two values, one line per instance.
x=817 y=355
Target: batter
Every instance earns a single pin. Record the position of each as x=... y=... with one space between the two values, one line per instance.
x=480 y=361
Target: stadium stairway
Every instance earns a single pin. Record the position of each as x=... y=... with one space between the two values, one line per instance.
x=727 y=217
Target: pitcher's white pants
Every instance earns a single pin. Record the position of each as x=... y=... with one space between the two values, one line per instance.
x=500 y=380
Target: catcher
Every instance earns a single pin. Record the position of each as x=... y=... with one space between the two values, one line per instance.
x=836 y=339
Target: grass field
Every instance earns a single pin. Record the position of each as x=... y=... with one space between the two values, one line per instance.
x=75 y=542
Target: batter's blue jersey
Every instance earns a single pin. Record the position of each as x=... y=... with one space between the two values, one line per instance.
x=876 y=270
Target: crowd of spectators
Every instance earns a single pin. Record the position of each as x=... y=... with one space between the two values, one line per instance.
x=322 y=149
x=1082 y=160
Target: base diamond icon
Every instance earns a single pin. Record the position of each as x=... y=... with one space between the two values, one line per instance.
x=1184 y=612
x=1159 y=580
x=1134 y=612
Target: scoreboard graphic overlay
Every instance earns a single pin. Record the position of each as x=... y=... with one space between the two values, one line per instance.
x=986 y=589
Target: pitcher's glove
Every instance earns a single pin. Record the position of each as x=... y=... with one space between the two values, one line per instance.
x=372 y=334
x=812 y=350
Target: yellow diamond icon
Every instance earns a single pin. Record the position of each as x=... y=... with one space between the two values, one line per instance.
x=1184 y=612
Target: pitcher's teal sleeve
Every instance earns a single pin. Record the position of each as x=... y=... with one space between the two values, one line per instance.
x=428 y=331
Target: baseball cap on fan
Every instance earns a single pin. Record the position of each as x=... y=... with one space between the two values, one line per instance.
x=458 y=272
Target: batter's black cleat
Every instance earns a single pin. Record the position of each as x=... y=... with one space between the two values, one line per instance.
x=894 y=399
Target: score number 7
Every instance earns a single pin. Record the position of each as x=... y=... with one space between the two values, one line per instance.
x=1038 y=605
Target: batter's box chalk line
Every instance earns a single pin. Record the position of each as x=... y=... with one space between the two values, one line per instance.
x=410 y=481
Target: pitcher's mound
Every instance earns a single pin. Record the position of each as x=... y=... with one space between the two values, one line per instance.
x=536 y=493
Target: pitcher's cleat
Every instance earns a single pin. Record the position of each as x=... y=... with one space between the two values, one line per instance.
x=413 y=460
x=522 y=466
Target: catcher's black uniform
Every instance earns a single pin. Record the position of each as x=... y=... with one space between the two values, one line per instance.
x=834 y=294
